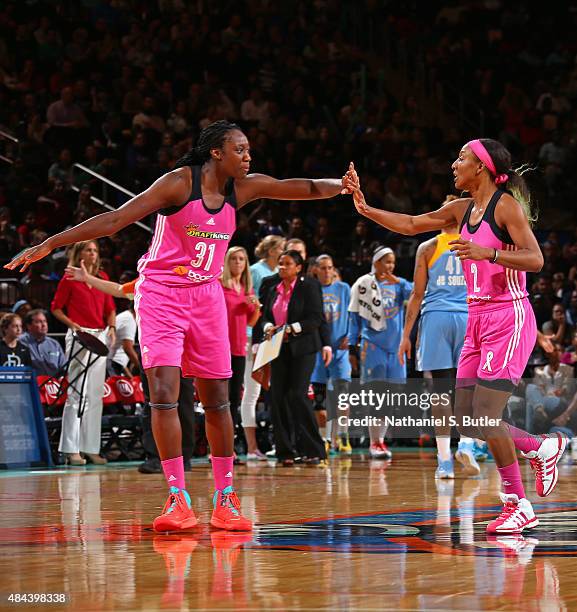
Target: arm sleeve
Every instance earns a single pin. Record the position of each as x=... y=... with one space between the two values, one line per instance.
x=129 y=288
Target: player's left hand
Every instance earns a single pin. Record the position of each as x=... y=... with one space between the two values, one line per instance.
x=464 y=249
x=327 y=354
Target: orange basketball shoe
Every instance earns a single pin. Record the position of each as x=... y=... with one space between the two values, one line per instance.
x=177 y=513
x=226 y=513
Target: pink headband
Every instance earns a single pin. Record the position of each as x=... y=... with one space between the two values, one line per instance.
x=479 y=150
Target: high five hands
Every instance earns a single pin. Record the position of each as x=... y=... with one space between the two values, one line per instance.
x=352 y=184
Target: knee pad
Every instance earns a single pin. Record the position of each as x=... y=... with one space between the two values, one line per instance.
x=164 y=406
x=218 y=408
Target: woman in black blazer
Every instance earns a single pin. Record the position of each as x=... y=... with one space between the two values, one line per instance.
x=295 y=301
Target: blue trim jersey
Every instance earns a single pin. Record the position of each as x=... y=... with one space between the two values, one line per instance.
x=336 y=298
x=446 y=288
x=393 y=296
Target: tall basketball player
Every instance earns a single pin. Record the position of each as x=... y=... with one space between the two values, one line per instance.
x=496 y=248
x=179 y=302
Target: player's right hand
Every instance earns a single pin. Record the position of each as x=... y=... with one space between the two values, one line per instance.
x=77 y=274
x=404 y=350
x=29 y=256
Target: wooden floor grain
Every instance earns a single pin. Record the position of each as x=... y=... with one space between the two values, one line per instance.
x=358 y=535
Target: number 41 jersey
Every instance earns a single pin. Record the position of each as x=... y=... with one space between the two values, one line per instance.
x=190 y=241
x=446 y=288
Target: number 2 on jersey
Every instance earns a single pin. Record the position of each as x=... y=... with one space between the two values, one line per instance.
x=202 y=248
x=475 y=272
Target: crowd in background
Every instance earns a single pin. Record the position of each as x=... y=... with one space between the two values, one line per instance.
x=123 y=87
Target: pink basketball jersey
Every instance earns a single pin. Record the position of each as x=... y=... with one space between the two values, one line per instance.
x=490 y=283
x=190 y=241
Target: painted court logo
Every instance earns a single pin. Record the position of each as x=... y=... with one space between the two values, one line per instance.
x=192 y=230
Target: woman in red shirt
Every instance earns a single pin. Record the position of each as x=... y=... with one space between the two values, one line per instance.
x=243 y=308
x=80 y=307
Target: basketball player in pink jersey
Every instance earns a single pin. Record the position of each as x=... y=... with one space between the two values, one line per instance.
x=497 y=248
x=180 y=304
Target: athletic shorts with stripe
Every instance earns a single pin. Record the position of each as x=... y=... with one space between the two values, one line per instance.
x=498 y=342
x=186 y=327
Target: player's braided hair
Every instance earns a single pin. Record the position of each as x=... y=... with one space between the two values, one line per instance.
x=212 y=137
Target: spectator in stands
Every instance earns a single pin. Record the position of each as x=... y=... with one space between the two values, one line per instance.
x=8 y=234
x=61 y=170
x=542 y=298
x=13 y=353
x=549 y=394
x=80 y=307
x=294 y=302
x=66 y=120
x=25 y=229
x=558 y=327
x=571 y=312
x=569 y=357
x=21 y=308
x=48 y=358
x=243 y=309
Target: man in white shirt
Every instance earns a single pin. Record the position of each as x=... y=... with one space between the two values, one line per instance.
x=123 y=350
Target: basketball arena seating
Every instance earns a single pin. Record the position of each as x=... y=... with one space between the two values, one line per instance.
x=121 y=421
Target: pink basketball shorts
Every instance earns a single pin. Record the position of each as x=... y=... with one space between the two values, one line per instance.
x=185 y=327
x=498 y=342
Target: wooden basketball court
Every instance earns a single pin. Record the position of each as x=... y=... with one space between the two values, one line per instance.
x=358 y=535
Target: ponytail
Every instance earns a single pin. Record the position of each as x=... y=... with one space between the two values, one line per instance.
x=508 y=178
x=517 y=187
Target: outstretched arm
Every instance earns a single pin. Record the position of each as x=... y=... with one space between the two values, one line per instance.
x=256 y=186
x=82 y=275
x=409 y=225
x=420 y=278
x=169 y=190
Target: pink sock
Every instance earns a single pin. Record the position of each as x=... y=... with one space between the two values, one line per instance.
x=174 y=472
x=511 y=479
x=222 y=470
x=523 y=440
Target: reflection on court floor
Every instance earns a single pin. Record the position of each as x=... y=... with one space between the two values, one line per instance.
x=358 y=534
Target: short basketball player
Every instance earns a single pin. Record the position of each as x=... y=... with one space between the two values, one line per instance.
x=180 y=304
x=439 y=285
x=496 y=248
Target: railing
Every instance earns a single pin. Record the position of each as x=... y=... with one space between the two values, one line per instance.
x=5 y=136
x=106 y=182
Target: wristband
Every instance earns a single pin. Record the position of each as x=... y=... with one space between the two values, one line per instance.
x=112 y=327
x=495 y=257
